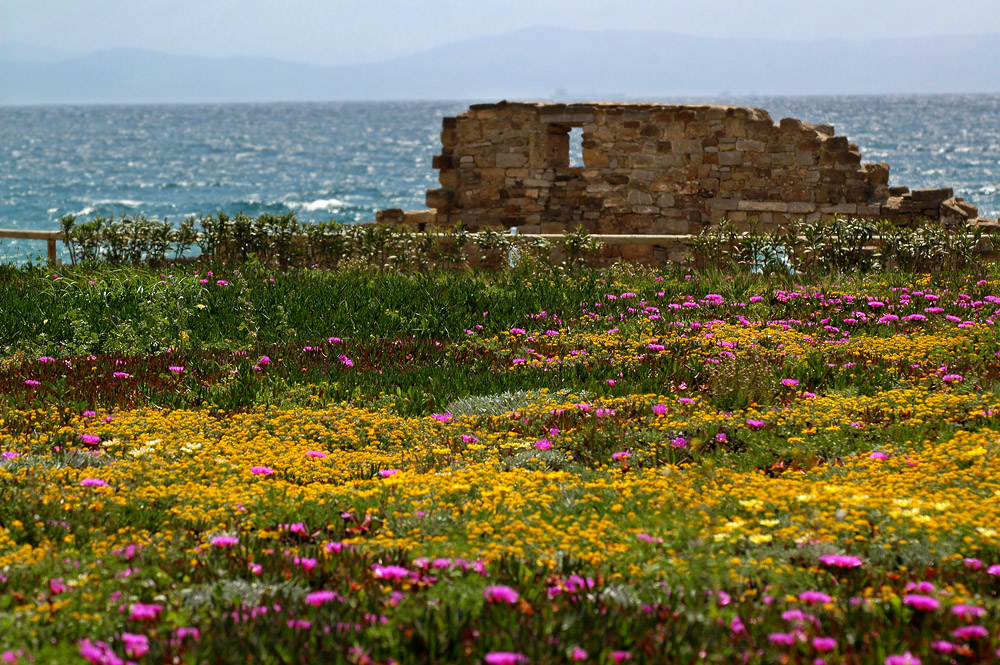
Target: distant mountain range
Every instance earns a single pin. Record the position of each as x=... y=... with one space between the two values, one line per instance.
x=533 y=63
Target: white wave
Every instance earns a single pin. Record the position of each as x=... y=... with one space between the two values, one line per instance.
x=122 y=202
x=329 y=205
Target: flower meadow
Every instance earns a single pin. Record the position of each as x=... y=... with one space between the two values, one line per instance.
x=532 y=466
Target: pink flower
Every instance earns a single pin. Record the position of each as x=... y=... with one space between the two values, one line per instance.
x=345 y=361
x=121 y=375
x=93 y=482
x=841 y=560
x=505 y=658
x=56 y=585
x=791 y=383
x=942 y=646
x=578 y=654
x=993 y=570
x=813 y=597
x=902 y=659
x=145 y=611
x=385 y=473
x=972 y=564
x=317 y=598
x=31 y=383
x=307 y=563
x=264 y=360
x=176 y=369
x=610 y=382
x=786 y=639
x=621 y=455
x=879 y=455
x=9 y=454
x=951 y=378
x=968 y=611
x=970 y=632
x=441 y=417
x=98 y=653
x=261 y=470
x=921 y=602
x=679 y=442
x=660 y=409
x=135 y=645
x=500 y=594
x=294 y=527
x=619 y=656
x=543 y=444
x=183 y=632
x=11 y=657
x=824 y=644
x=315 y=453
x=755 y=423
x=391 y=572
x=224 y=541
x=90 y=439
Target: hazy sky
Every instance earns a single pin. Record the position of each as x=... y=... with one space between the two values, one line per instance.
x=339 y=32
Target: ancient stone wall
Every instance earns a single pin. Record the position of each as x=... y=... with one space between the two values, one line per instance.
x=655 y=169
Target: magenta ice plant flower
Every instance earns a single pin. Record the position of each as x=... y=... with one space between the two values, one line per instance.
x=902 y=659
x=506 y=658
x=145 y=611
x=500 y=593
x=921 y=602
x=261 y=470
x=136 y=646
x=224 y=541
x=93 y=482
x=841 y=560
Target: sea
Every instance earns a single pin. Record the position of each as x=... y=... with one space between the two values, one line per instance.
x=345 y=161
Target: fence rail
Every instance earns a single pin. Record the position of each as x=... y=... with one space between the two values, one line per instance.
x=51 y=238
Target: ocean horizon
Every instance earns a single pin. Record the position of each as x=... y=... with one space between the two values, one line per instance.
x=347 y=160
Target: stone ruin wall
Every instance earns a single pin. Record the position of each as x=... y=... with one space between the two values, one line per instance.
x=656 y=169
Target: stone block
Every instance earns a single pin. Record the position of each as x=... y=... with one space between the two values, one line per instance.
x=440 y=198
x=595 y=158
x=511 y=160
x=931 y=194
x=751 y=145
x=877 y=173
x=638 y=197
x=730 y=158
x=801 y=207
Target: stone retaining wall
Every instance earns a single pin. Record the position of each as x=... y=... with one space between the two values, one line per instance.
x=656 y=169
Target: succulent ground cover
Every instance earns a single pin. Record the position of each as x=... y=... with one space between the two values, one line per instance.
x=533 y=466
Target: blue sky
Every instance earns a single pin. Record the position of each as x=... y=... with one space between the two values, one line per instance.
x=341 y=32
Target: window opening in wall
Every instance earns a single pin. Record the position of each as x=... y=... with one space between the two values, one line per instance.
x=576 y=147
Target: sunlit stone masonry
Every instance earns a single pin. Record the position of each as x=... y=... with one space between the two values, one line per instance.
x=656 y=169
